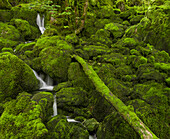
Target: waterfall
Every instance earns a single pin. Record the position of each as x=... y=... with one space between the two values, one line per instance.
x=43 y=85
x=40 y=23
x=55 y=106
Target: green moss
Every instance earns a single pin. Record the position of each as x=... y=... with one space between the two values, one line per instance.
x=23 y=26
x=75 y=71
x=136 y=19
x=114 y=126
x=91 y=124
x=55 y=62
x=4 y=4
x=116 y=29
x=15 y=76
x=5 y=15
x=168 y=81
x=45 y=100
x=7 y=43
x=62 y=85
x=68 y=98
x=8 y=50
x=9 y=32
x=26 y=13
x=129 y=42
x=21 y=119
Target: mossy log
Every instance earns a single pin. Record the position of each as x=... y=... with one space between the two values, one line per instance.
x=126 y=112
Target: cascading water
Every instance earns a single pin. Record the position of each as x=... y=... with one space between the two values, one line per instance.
x=40 y=23
x=55 y=106
x=43 y=85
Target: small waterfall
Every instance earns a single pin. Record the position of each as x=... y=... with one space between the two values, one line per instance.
x=40 y=23
x=55 y=106
x=43 y=85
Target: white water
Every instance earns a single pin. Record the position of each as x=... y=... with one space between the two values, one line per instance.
x=55 y=106
x=43 y=85
x=40 y=23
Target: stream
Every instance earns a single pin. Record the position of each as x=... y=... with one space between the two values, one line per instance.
x=47 y=85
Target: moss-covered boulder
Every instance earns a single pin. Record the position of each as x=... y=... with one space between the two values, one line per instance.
x=28 y=32
x=55 y=63
x=15 y=76
x=116 y=29
x=94 y=50
x=7 y=43
x=45 y=100
x=153 y=108
x=59 y=128
x=22 y=119
x=4 y=4
x=25 y=12
x=9 y=32
x=82 y=81
x=102 y=36
x=5 y=15
x=153 y=28
x=114 y=126
x=91 y=125
x=69 y=98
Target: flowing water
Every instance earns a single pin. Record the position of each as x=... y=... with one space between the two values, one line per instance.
x=40 y=23
x=43 y=85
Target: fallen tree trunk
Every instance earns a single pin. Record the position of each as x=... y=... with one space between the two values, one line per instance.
x=127 y=114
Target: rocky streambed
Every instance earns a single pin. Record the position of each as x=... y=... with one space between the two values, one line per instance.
x=127 y=48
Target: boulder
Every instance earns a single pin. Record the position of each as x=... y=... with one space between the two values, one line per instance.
x=22 y=119
x=15 y=76
x=9 y=32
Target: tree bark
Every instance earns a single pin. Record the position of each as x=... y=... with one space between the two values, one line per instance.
x=127 y=114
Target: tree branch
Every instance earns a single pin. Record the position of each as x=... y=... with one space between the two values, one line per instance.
x=127 y=114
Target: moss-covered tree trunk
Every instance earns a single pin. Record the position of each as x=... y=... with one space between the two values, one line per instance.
x=122 y=109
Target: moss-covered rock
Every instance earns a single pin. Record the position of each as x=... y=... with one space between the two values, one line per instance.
x=114 y=126
x=153 y=108
x=55 y=63
x=68 y=98
x=7 y=43
x=82 y=81
x=22 y=119
x=25 y=12
x=4 y=4
x=45 y=100
x=28 y=32
x=59 y=128
x=5 y=15
x=15 y=76
x=62 y=85
x=94 y=50
x=102 y=36
x=8 y=50
x=116 y=29
x=91 y=124
x=9 y=32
